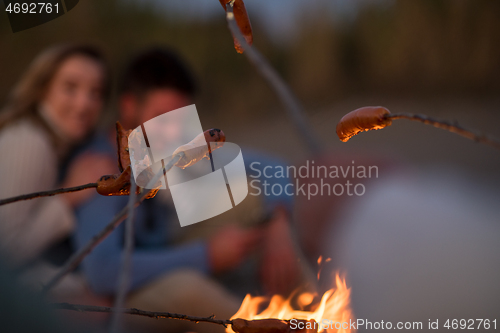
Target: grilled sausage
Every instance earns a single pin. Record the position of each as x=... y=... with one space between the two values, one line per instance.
x=363 y=119
x=260 y=326
x=274 y=326
x=241 y=18
x=122 y=144
x=200 y=147
x=197 y=149
x=119 y=184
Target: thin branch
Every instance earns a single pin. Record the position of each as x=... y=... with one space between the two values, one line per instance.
x=292 y=105
x=46 y=193
x=133 y=311
x=124 y=280
x=77 y=258
x=452 y=127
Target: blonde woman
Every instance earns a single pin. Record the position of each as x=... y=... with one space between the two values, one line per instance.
x=53 y=108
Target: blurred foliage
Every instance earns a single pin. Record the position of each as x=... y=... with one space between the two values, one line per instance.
x=412 y=46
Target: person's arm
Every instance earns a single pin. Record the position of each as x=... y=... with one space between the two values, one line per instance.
x=102 y=265
x=29 y=164
x=279 y=269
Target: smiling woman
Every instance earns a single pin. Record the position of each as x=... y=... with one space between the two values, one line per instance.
x=54 y=107
x=74 y=99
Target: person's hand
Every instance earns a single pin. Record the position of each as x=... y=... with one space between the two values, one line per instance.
x=279 y=270
x=84 y=169
x=230 y=246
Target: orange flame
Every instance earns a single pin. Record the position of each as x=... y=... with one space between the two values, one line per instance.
x=334 y=307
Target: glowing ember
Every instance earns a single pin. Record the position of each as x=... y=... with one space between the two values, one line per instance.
x=333 y=307
x=320 y=261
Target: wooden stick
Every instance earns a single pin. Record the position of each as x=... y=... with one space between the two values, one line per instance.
x=77 y=258
x=292 y=105
x=124 y=277
x=451 y=127
x=134 y=311
x=46 y=193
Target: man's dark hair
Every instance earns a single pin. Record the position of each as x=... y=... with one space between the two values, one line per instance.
x=157 y=68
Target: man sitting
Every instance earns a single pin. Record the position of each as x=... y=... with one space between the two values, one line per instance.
x=197 y=269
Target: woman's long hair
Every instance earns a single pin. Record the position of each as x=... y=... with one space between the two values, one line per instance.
x=26 y=96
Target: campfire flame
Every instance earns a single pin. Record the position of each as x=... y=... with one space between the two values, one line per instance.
x=334 y=307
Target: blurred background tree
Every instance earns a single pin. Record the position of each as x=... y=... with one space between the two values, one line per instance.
x=439 y=57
